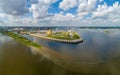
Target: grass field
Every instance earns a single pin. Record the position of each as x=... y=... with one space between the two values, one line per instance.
x=65 y=35
x=20 y=38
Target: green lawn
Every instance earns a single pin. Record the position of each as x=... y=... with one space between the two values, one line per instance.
x=64 y=35
x=20 y=38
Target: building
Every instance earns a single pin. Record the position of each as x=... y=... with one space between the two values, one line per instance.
x=49 y=32
x=70 y=33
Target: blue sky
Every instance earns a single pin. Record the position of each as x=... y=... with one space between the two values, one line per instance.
x=54 y=8
x=60 y=12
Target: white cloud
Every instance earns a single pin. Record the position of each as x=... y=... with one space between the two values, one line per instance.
x=101 y=1
x=110 y=15
x=88 y=13
x=103 y=15
x=108 y=12
x=14 y=7
x=67 y=4
x=2 y=15
x=86 y=6
x=33 y=1
x=39 y=10
x=61 y=17
x=1 y=22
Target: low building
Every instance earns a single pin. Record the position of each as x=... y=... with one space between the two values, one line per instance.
x=49 y=32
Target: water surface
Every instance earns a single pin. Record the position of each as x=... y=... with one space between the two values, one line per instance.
x=98 y=54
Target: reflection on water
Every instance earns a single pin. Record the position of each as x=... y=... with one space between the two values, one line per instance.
x=99 y=54
x=17 y=59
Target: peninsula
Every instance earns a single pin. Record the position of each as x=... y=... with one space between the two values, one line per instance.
x=69 y=36
x=65 y=36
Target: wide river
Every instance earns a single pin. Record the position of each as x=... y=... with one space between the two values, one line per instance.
x=98 y=54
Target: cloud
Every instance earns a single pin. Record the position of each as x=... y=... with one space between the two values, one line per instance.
x=61 y=17
x=88 y=12
x=34 y=1
x=14 y=7
x=108 y=12
x=86 y=7
x=2 y=15
x=39 y=9
x=1 y=22
x=67 y=4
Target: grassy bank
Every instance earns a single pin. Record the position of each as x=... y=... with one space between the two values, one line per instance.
x=65 y=36
x=20 y=38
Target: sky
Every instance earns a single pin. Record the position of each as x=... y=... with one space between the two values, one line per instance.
x=59 y=12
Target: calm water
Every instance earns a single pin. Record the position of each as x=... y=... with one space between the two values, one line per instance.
x=98 y=54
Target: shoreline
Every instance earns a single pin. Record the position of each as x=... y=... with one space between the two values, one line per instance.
x=76 y=41
x=20 y=38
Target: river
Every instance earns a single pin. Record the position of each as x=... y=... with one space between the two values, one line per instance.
x=98 y=54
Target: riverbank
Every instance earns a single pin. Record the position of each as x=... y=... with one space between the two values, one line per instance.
x=58 y=40
x=20 y=38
